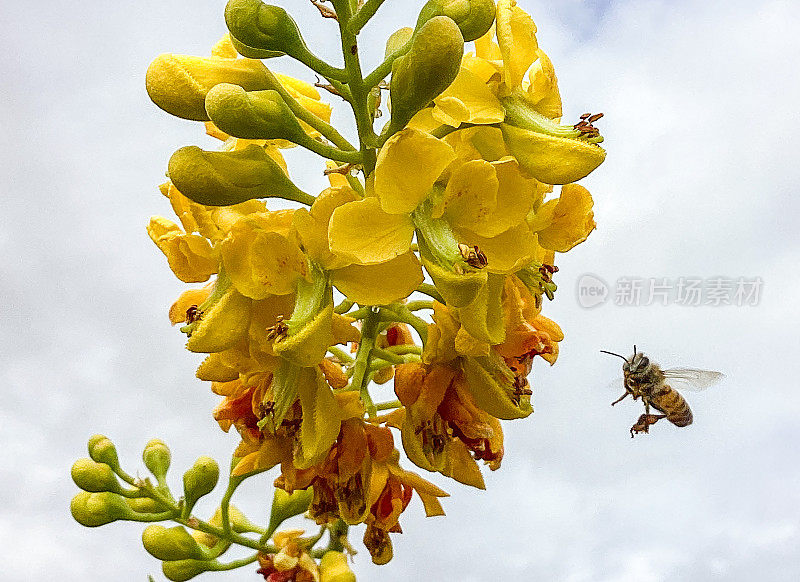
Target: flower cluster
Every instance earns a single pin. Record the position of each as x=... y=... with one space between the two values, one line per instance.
x=314 y=301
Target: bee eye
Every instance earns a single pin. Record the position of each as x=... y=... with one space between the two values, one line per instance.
x=645 y=362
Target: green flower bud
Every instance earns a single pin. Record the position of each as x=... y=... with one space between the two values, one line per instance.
x=178 y=84
x=227 y=178
x=286 y=505
x=264 y=27
x=94 y=477
x=200 y=480
x=398 y=40
x=474 y=17
x=96 y=509
x=170 y=544
x=181 y=570
x=156 y=457
x=334 y=568
x=429 y=67
x=102 y=450
x=253 y=115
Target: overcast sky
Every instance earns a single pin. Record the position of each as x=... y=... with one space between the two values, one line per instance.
x=700 y=182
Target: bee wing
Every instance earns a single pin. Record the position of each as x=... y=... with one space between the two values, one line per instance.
x=616 y=384
x=692 y=379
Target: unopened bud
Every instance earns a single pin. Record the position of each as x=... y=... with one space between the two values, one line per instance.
x=265 y=28
x=286 y=505
x=181 y=570
x=156 y=457
x=429 y=67
x=227 y=178
x=102 y=450
x=96 y=509
x=144 y=505
x=252 y=115
x=171 y=544
x=178 y=84
x=94 y=477
x=334 y=568
x=473 y=17
x=200 y=480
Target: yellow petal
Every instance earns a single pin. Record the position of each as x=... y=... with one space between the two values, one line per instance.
x=308 y=346
x=461 y=466
x=507 y=252
x=187 y=299
x=260 y=261
x=468 y=100
x=190 y=256
x=483 y=318
x=363 y=233
x=221 y=326
x=312 y=226
x=321 y=418
x=543 y=92
x=471 y=194
x=408 y=165
x=382 y=283
x=566 y=221
x=491 y=384
x=552 y=160
x=516 y=36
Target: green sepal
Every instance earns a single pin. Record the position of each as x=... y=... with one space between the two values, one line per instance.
x=228 y=178
x=473 y=17
x=254 y=53
x=169 y=544
x=491 y=383
x=429 y=67
x=225 y=320
x=483 y=318
x=253 y=115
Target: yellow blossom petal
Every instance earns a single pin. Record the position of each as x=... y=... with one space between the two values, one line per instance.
x=312 y=225
x=259 y=260
x=566 y=221
x=308 y=346
x=483 y=318
x=190 y=256
x=471 y=194
x=552 y=160
x=321 y=418
x=362 y=232
x=468 y=100
x=221 y=326
x=381 y=283
x=543 y=92
x=516 y=36
x=399 y=188
x=507 y=252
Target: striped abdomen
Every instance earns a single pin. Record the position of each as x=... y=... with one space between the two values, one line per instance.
x=671 y=403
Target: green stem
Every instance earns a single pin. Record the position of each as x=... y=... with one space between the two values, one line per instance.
x=387 y=355
x=420 y=304
x=219 y=567
x=403 y=315
x=431 y=291
x=403 y=349
x=355 y=82
x=363 y=15
x=388 y=405
x=361 y=365
x=343 y=307
x=340 y=354
x=332 y=153
x=224 y=506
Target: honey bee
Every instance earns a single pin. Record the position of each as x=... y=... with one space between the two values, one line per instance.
x=659 y=389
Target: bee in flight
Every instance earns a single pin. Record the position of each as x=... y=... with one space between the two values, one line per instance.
x=659 y=389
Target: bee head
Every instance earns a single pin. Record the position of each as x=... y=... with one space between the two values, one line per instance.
x=638 y=362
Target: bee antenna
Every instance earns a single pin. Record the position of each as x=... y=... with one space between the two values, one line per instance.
x=634 y=349
x=613 y=354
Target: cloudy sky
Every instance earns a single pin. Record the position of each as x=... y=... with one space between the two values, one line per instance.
x=700 y=183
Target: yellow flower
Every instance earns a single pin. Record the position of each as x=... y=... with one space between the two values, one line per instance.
x=190 y=256
x=292 y=561
x=566 y=221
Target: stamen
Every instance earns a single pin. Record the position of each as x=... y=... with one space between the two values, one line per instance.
x=473 y=256
x=278 y=331
x=193 y=314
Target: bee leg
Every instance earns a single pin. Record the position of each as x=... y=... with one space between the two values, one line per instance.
x=644 y=422
x=621 y=398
